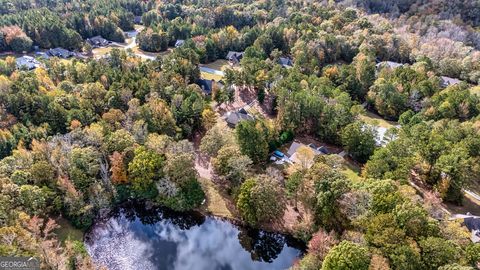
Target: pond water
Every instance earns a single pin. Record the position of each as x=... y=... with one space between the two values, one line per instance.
x=135 y=238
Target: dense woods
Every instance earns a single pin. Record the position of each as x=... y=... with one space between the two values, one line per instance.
x=78 y=137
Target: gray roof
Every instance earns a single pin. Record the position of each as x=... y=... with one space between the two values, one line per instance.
x=389 y=64
x=233 y=118
x=447 y=81
x=137 y=19
x=27 y=62
x=285 y=62
x=98 y=41
x=234 y=56
x=60 y=52
x=179 y=43
x=295 y=145
x=472 y=223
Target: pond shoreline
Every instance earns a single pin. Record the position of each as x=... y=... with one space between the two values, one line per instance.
x=106 y=214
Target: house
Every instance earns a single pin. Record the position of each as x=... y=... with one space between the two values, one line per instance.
x=473 y=225
x=98 y=41
x=233 y=118
x=285 y=62
x=234 y=57
x=179 y=43
x=304 y=154
x=388 y=64
x=207 y=85
x=447 y=81
x=42 y=55
x=137 y=20
x=60 y=52
x=27 y=62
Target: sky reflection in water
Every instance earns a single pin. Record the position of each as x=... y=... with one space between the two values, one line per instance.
x=185 y=242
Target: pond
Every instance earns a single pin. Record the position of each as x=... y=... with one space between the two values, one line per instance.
x=135 y=238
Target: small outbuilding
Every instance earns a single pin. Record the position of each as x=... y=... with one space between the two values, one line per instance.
x=179 y=43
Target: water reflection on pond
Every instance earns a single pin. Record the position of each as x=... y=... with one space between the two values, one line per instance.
x=134 y=238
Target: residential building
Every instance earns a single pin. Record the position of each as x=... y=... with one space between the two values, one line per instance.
x=234 y=57
x=388 y=64
x=447 y=81
x=27 y=62
x=179 y=43
x=473 y=225
x=60 y=52
x=285 y=62
x=98 y=41
x=233 y=118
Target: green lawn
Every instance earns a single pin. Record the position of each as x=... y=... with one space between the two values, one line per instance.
x=210 y=76
x=376 y=120
x=475 y=90
x=67 y=231
x=220 y=64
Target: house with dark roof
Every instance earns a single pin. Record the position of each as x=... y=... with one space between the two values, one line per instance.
x=60 y=52
x=137 y=20
x=447 y=81
x=285 y=62
x=27 y=62
x=98 y=41
x=388 y=64
x=233 y=118
x=179 y=43
x=234 y=57
x=207 y=85
x=473 y=225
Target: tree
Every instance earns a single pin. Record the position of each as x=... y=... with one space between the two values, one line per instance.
x=359 y=140
x=347 y=256
x=119 y=173
x=252 y=139
x=437 y=252
x=214 y=139
x=261 y=199
x=365 y=72
x=144 y=170
x=231 y=164
x=119 y=140
x=322 y=188
x=84 y=167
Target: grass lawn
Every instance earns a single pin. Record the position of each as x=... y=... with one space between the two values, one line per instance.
x=67 y=231
x=220 y=64
x=376 y=120
x=210 y=76
x=475 y=90
x=351 y=171
x=215 y=203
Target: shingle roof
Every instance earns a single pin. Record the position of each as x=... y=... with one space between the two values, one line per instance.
x=179 y=43
x=447 y=81
x=97 y=41
x=27 y=62
x=472 y=223
x=286 y=62
x=234 y=56
x=233 y=118
x=60 y=52
x=389 y=64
